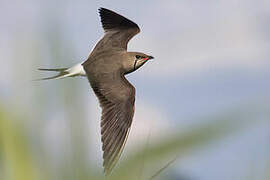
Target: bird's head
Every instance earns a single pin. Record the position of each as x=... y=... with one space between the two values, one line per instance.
x=135 y=60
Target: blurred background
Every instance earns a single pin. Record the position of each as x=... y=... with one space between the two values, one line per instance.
x=202 y=105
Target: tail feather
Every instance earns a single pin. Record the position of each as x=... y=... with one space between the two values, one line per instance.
x=60 y=69
x=62 y=74
x=76 y=70
x=47 y=78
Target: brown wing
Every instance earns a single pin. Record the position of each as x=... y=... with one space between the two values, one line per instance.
x=118 y=30
x=116 y=97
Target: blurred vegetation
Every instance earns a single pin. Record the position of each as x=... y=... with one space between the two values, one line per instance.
x=15 y=155
x=18 y=162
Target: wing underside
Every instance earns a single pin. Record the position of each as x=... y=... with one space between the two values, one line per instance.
x=117 y=102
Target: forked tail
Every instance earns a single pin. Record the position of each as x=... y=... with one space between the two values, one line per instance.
x=76 y=70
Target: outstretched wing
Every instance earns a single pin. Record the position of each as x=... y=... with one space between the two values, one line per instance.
x=118 y=30
x=116 y=97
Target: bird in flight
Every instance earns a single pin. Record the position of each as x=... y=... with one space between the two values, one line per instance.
x=105 y=68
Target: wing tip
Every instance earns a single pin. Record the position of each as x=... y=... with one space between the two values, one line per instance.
x=111 y=160
x=113 y=20
x=100 y=9
x=103 y=10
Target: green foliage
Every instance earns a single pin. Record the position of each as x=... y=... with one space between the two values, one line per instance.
x=15 y=156
x=17 y=162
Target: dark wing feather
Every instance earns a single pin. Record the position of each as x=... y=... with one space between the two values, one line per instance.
x=113 y=21
x=116 y=98
x=118 y=30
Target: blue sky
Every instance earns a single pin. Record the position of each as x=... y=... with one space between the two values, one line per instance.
x=210 y=57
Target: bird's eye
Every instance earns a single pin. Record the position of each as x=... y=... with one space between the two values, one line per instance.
x=138 y=57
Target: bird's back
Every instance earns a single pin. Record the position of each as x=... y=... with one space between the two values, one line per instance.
x=104 y=63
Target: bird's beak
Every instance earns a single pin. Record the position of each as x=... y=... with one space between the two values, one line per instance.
x=150 y=57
